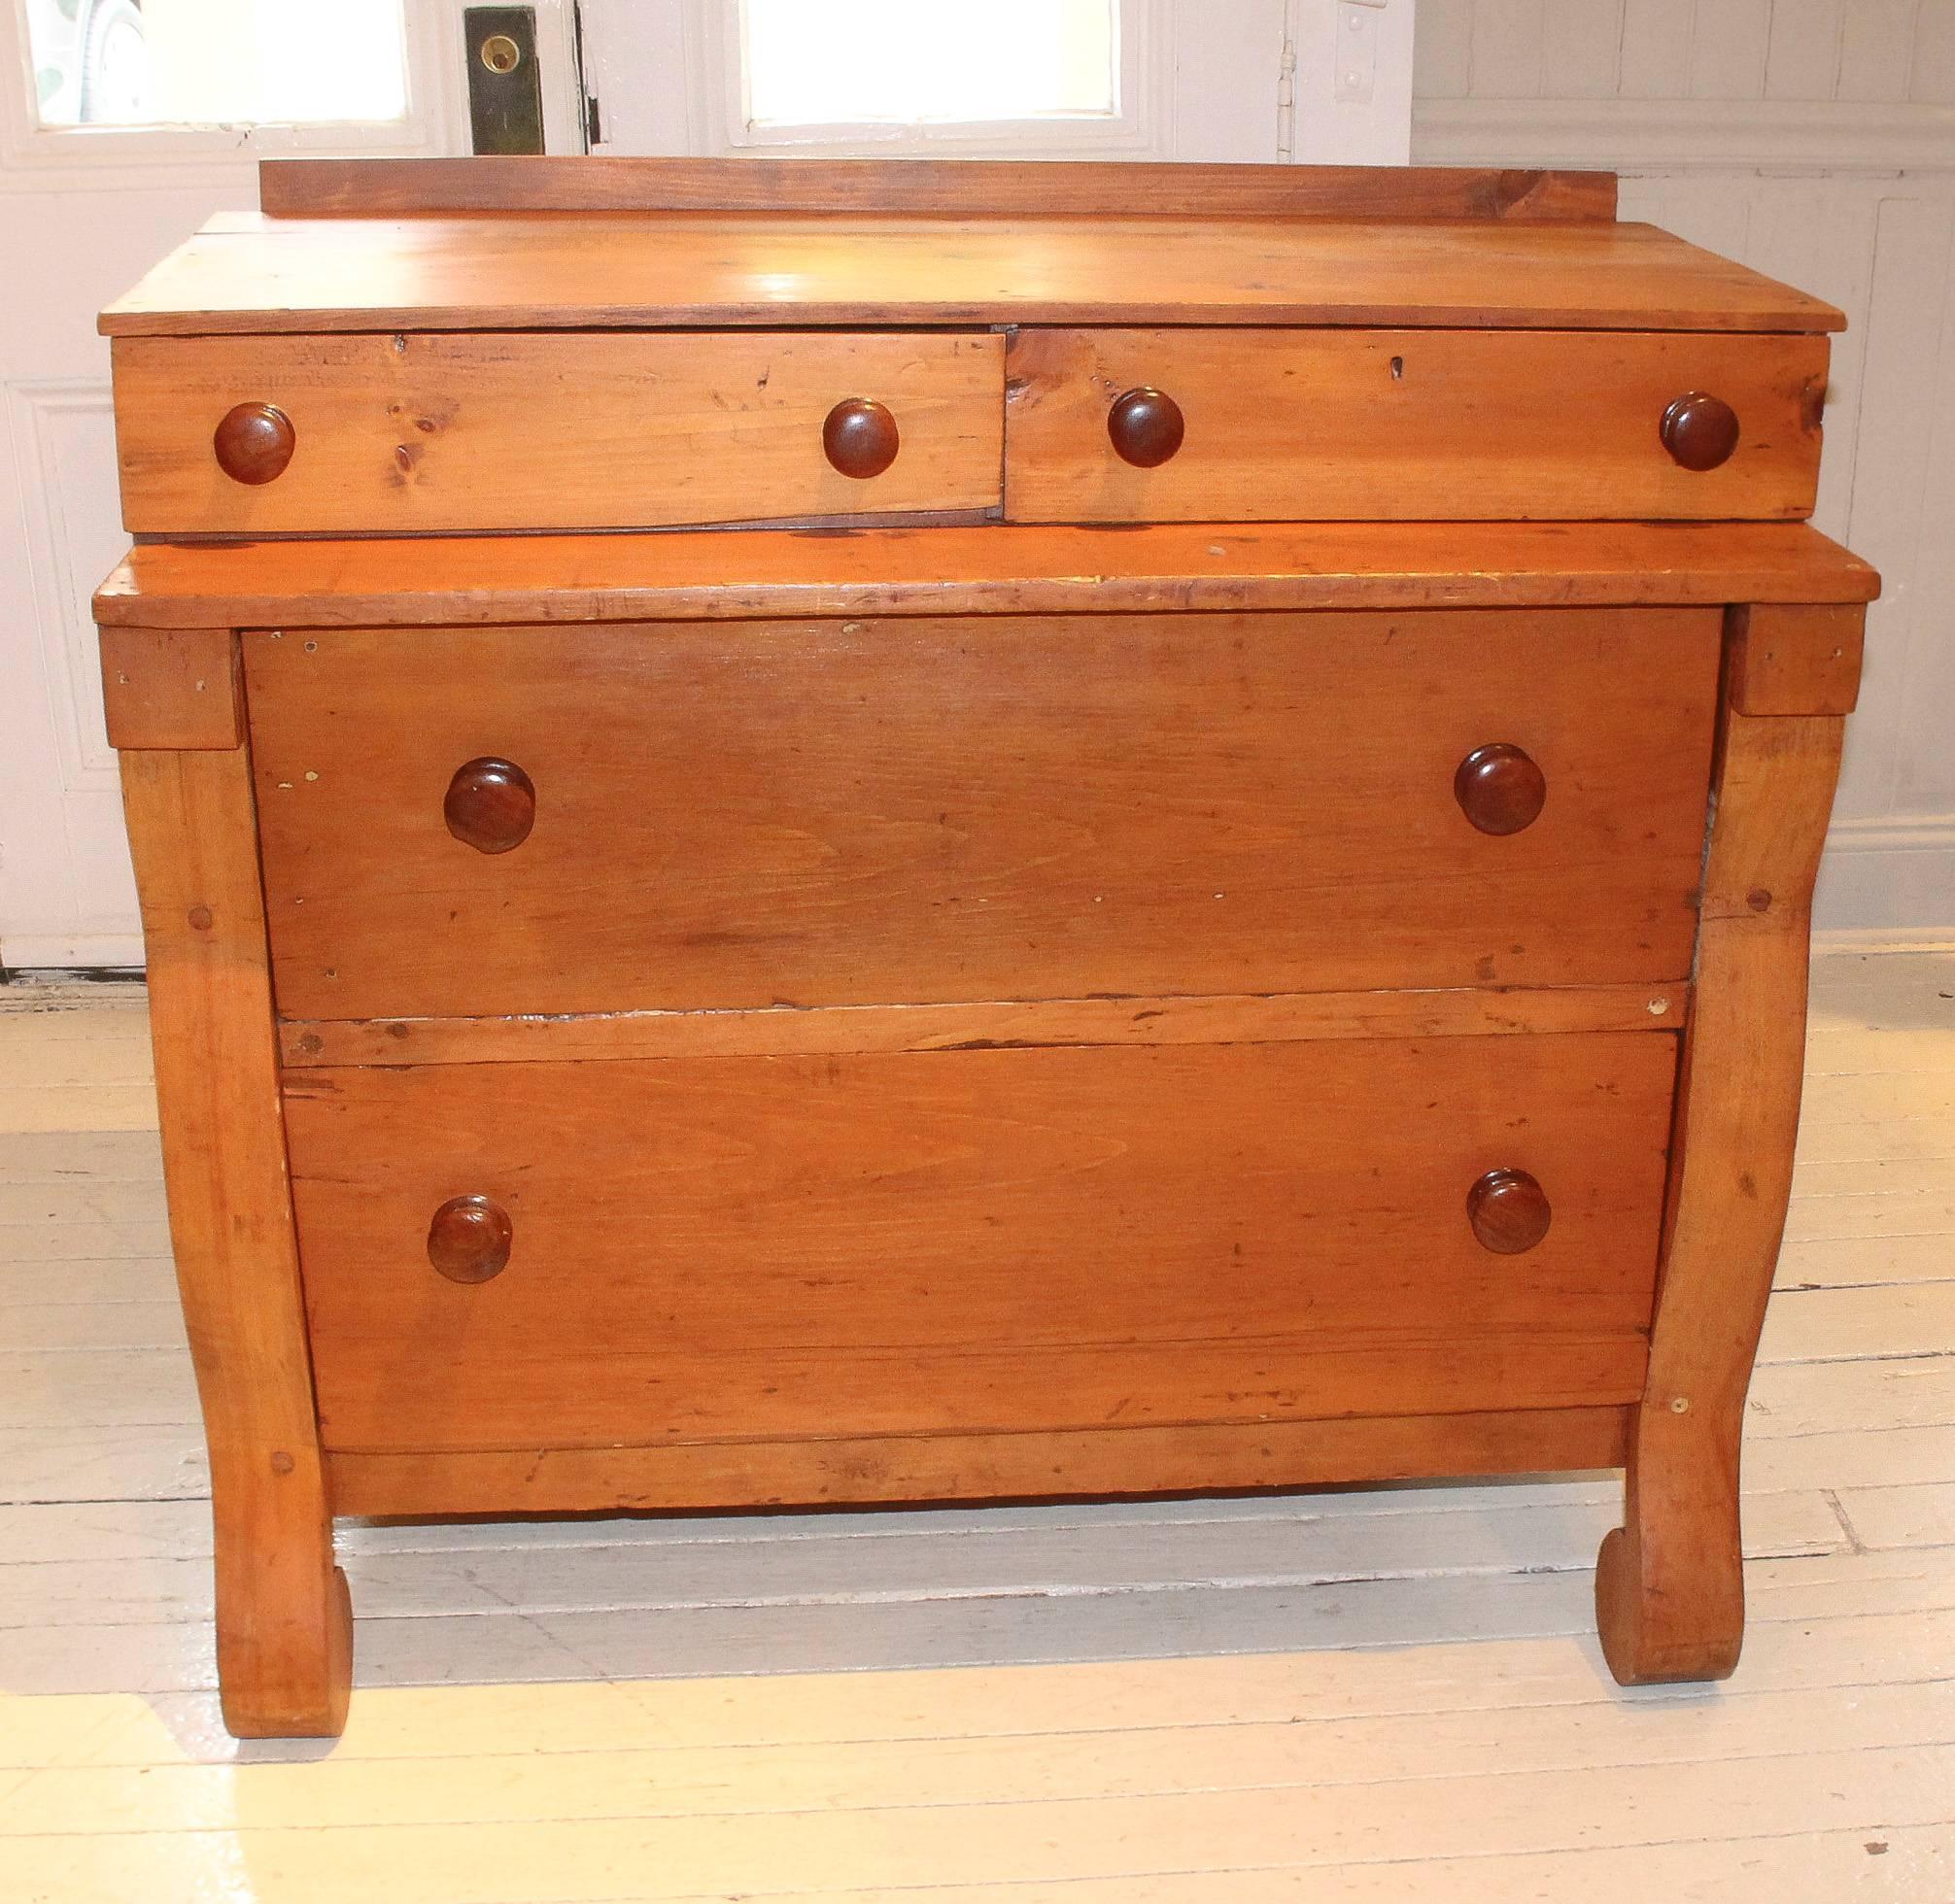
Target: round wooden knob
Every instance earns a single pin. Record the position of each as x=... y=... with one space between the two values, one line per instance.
x=490 y=805
x=1500 y=789
x=468 y=1240
x=1146 y=426
x=255 y=443
x=1509 y=1211
x=1701 y=432
x=860 y=437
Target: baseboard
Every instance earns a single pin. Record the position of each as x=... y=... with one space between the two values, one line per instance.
x=1887 y=884
x=1863 y=945
x=70 y=952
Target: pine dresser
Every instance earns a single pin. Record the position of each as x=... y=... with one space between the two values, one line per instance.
x=845 y=833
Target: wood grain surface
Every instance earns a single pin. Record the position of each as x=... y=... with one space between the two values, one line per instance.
x=1083 y=1462
x=172 y=687
x=977 y=1240
x=876 y=812
x=1468 y=1011
x=407 y=433
x=343 y=187
x=979 y=570
x=283 y=1630
x=1363 y=426
x=1669 y=1583
x=1796 y=659
x=246 y=273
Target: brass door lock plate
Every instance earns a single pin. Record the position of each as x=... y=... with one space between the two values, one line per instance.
x=506 y=91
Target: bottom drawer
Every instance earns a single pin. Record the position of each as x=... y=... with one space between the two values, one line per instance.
x=980 y=1239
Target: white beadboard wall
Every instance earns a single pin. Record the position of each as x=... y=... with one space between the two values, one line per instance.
x=1814 y=140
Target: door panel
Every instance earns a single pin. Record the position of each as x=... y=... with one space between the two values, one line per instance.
x=93 y=208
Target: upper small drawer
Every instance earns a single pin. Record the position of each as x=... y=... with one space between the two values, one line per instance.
x=1332 y=426
x=401 y=434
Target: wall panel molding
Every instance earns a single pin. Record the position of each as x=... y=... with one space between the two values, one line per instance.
x=65 y=456
x=1666 y=135
x=1905 y=833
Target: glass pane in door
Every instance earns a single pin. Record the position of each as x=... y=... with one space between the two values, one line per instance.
x=916 y=62
x=217 y=62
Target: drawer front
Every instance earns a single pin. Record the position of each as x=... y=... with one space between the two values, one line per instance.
x=1407 y=426
x=909 y=811
x=434 y=432
x=687 y=1249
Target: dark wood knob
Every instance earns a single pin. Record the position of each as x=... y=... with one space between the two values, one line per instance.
x=1500 y=789
x=1146 y=426
x=1701 y=432
x=490 y=805
x=860 y=437
x=255 y=443
x=1509 y=1211
x=470 y=1238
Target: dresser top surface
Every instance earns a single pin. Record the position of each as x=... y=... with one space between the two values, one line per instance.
x=978 y=569
x=582 y=259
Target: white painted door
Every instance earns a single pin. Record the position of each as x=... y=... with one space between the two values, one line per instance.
x=1318 y=81
x=92 y=192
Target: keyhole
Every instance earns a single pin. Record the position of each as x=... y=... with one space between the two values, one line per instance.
x=501 y=53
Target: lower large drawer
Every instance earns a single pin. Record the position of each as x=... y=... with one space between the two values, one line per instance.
x=694 y=1249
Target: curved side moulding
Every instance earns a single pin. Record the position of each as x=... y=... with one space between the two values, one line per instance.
x=284 y=1621
x=1669 y=1583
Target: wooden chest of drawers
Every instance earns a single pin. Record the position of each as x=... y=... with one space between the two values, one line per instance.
x=851 y=834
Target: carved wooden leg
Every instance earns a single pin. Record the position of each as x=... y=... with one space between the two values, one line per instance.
x=1669 y=1583
x=285 y=1651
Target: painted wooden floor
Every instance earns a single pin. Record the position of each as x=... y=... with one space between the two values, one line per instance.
x=1380 y=1696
